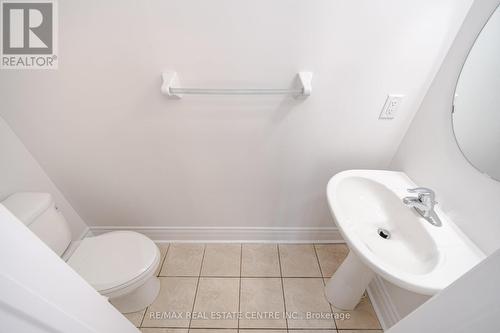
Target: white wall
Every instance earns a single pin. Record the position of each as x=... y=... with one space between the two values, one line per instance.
x=430 y=156
x=20 y=172
x=125 y=155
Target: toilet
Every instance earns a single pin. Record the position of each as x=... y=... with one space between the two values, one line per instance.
x=120 y=265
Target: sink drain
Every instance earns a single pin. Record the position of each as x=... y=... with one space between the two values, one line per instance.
x=383 y=233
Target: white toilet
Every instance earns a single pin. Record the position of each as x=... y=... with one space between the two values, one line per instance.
x=120 y=265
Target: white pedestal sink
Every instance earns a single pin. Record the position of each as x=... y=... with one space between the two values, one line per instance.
x=387 y=238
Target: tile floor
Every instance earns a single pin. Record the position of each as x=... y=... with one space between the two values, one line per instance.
x=274 y=289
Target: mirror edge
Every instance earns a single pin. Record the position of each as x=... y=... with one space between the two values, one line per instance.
x=455 y=96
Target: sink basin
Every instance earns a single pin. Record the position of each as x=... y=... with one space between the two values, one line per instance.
x=387 y=238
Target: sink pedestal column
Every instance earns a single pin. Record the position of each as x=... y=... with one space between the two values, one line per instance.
x=347 y=285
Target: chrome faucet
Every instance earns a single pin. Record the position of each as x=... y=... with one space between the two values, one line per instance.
x=423 y=203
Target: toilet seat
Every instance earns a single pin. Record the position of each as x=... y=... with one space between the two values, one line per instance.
x=115 y=262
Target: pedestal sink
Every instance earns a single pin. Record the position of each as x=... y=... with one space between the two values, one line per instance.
x=387 y=238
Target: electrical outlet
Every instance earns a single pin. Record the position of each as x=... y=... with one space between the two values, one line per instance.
x=391 y=105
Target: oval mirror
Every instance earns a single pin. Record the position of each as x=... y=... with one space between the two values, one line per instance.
x=476 y=111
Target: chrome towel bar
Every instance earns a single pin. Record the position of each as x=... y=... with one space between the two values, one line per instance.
x=171 y=88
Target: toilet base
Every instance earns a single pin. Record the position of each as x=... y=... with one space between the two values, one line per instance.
x=139 y=298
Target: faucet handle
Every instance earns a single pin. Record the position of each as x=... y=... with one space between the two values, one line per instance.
x=423 y=191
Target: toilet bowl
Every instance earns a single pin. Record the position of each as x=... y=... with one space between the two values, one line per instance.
x=120 y=265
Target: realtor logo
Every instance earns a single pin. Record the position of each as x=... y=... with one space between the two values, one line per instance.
x=29 y=34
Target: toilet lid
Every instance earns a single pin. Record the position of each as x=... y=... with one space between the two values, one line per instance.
x=114 y=258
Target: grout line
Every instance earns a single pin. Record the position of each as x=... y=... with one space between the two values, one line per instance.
x=282 y=285
x=245 y=277
x=239 y=291
x=324 y=284
x=317 y=260
x=261 y=328
x=143 y=316
x=197 y=285
x=164 y=259
x=158 y=276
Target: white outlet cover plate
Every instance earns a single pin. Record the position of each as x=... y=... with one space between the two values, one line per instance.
x=391 y=106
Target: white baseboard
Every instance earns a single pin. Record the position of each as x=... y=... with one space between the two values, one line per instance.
x=382 y=303
x=231 y=234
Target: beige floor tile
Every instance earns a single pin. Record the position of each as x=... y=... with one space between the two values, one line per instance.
x=361 y=331
x=330 y=257
x=362 y=317
x=164 y=330
x=222 y=260
x=265 y=331
x=183 y=260
x=135 y=317
x=261 y=296
x=312 y=331
x=176 y=295
x=260 y=260
x=163 y=251
x=298 y=260
x=303 y=297
x=217 y=295
x=212 y=330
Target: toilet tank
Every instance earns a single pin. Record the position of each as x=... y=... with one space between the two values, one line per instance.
x=40 y=214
